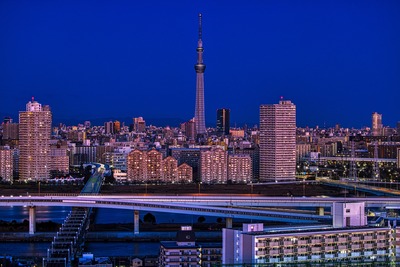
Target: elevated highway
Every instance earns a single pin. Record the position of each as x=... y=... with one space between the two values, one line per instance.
x=232 y=207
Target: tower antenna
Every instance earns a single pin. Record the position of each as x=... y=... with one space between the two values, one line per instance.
x=200 y=28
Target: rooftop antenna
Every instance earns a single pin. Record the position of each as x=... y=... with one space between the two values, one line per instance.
x=376 y=174
x=353 y=167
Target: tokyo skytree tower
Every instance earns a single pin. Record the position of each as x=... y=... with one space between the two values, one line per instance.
x=200 y=68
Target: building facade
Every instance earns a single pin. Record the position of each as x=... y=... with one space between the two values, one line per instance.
x=170 y=170
x=154 y=166
x=6 y=164
x=377 y=125
x=239 y=168
x=185 y=173
x=137 y=166
x=34 y=142
x=278 y=141
x=214 y=166
x=139 y=125
x=59 y=160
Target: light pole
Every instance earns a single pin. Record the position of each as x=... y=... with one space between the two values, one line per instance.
x=39 y=187
x=199 y=186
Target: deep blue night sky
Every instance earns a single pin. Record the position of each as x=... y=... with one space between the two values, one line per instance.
x=338 y=61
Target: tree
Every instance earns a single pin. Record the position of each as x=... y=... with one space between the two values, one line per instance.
x=201 y=219
x=149 y=218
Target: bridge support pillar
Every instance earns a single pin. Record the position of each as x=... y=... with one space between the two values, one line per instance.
x=228 y=221
x=32 y=220
x=320 y=211
x=136 y=222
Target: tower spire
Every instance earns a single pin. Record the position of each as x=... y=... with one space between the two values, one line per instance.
x=200 y=28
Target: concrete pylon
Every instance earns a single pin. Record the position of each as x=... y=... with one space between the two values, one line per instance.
x=228 y=221
x=136 y=222
x=320 y=211
x=32 y=220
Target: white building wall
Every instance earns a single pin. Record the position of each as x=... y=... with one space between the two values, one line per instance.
x=349 y=214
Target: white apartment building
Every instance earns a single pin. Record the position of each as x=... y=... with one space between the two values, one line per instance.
x=278 y=141
x=355 y=243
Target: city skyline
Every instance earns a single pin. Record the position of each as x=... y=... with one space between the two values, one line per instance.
x=336 y=61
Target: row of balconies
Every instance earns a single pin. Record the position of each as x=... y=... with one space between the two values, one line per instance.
x=182 y=259
x=332 y=249
x=358 y=255
x=368 y=236
x=352 y=246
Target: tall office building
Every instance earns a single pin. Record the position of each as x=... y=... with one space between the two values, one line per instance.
x=34 y=142
x=200 y=68
x=376 y=124
x=278 y=141
x=223 y=121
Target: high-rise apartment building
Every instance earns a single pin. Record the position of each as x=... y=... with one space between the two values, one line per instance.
x=82 y=154
x=376 y=124
x=223 y=121
x=254 y=153
x=59 y=159
x=190 y=156
x=185 y=173
x=139 y=125
x=200 y=67
x=34 y=142
x=214 y=166
x=137 y=166
x=170 y=170
x=239 y=168
x=278 y=141
x=6 y=164
x=154 y=166
x=189 y=128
